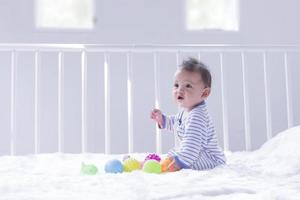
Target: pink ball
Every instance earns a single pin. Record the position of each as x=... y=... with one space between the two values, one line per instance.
x=152 y=156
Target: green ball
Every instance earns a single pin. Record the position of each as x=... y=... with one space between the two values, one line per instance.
x=152 y=166
x=131 y=164
x=88 y=169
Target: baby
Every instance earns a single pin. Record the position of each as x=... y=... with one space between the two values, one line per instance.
x=198 y=147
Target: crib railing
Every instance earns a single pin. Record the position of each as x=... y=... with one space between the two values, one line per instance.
x=97 y=98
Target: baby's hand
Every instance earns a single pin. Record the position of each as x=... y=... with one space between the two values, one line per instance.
x=169 y=165
x=157 y=116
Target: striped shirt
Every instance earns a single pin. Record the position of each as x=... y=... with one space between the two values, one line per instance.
x=198 y=147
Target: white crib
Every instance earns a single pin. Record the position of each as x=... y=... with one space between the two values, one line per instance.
x=97 y=98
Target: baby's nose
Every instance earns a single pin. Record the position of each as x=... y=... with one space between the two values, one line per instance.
x=180 y=89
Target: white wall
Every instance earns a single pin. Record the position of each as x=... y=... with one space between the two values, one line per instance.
x=141 y=21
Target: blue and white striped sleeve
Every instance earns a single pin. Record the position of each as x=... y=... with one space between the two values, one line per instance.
x=168 y=122
x=193 y=141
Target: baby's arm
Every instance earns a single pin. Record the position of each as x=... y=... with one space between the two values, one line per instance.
x=163 y=122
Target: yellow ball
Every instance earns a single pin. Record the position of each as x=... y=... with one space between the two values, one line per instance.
x=131 y=164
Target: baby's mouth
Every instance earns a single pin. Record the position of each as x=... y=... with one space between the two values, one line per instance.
x=180 y=98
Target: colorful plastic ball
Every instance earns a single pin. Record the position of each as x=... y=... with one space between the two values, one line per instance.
x=113 y=166
x=131 y=164
x=88 y=169
x=165 y=164
x=152 y=166
x=152 y=156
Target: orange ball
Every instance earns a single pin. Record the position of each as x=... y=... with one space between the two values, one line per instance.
x=165 y=164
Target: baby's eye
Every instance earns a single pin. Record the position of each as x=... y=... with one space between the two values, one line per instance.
x=175 y=85
x=188 y=86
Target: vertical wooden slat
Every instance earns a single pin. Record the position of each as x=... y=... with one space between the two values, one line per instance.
x=224 y=105
x=83 y=103
x=5 y=91
x=267 y=98
x=12 y=105
x=157 y=101
x=107 y=103
x=60 y=101
x=176 y=139
x=36 y=103
x=246 y=105
x=294 y=71
x=289 y=102
x=129 y=101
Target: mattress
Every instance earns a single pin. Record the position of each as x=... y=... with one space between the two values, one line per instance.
x=272 y=172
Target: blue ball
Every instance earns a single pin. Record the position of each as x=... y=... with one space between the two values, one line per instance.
x=113 y=166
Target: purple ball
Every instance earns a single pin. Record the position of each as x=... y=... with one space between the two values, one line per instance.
x=152 y=156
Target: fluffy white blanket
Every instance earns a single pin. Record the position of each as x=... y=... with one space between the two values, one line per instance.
x=272 y=172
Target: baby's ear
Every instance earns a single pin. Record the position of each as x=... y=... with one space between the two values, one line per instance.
x=206 y=92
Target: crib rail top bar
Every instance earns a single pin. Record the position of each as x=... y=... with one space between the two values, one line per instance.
x=144 y=47
x=41 y=45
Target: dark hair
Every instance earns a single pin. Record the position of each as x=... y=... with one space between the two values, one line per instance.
x=193 y=65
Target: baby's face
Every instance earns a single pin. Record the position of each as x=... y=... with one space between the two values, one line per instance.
x=189 y=90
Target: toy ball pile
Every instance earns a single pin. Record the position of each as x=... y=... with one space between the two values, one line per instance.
x=150 y=165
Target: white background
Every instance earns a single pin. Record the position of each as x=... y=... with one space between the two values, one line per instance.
x=143 y=22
